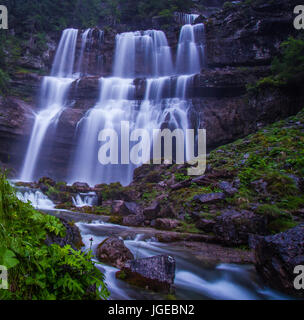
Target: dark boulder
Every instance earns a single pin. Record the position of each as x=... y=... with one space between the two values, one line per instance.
x=114 y=252
x=152 y=211
x=234 y=227
x=276 y=257
x=124 y=208
x=154 y=273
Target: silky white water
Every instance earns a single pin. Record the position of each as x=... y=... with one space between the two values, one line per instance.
x=192 y=279
x=52 y=101
x=37 y=199
x=165 y=103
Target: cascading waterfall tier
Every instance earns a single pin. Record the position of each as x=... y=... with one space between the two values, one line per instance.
x=53 y=93
x=166 y=102
x=142 y=54
x=185 y=18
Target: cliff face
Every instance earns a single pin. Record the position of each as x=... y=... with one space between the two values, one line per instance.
x=240 y=43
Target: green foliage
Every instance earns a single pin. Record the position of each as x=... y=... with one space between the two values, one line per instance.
x=286 y=68
x=36 y=270
x=181 y=176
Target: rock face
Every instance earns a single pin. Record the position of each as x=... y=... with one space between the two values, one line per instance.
x=233 y=227
x=277 y=256
x=113 y=251
x=154 y=273
x=240 y=44
x=253 y=32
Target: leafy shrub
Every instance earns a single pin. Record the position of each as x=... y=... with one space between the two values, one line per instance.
x=36 y=270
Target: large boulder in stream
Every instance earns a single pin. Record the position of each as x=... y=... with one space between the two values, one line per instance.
x=277 y=256
x=234 y=227
x=154 y=273
x=113 y=251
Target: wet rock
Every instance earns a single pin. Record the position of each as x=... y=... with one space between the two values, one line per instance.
x=233 y=227
x=72 y=236
x=209 y=197
x=152 y=211
x=166 y=224
x=114 y=252
x=227 y=187
x=205 y=225
x=277 y=256
x=134 y=220
x=47 y=181
x=154 y=273
x=81 y=186
x=124 y=208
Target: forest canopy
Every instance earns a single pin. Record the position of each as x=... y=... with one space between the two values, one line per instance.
x=53 y=15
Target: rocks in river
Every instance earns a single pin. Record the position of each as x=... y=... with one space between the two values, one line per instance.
x=135 y=220
x=166 y=224
x=155 y=273
x=234 y=227
x=277 y=256
x=46 y=181
x=81 y=186
x=114 y=252
x=124 y=208
x=209 y=197
x=152 y=211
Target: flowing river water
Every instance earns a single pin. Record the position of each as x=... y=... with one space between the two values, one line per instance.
x=196 y=277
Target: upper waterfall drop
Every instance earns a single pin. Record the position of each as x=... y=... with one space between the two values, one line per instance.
x=190 y=51
x=63 y=65
x=53 y=94
x=142 y=54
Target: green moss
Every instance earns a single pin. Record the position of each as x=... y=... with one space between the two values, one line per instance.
x=116 y=219
x=270 y=210
x=281 y=225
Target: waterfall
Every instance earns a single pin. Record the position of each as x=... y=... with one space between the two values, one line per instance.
x=84 y=38
x=166 y=102
x=142 y=54
x=86 y=46
x=52 y=99
x=112 y=107
x=185 y=18
x=65 y=55
x=37 y=199
x=84 y=199
x=190 y=52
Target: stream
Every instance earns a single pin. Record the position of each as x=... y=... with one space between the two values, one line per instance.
x=192 y=280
